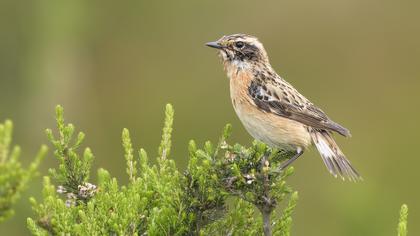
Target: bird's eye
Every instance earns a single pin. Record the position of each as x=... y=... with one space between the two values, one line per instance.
x=239 y=44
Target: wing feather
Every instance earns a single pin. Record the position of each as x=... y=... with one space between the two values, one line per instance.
x=287 y=102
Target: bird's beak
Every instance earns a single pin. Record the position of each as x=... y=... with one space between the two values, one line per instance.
x=214 y=45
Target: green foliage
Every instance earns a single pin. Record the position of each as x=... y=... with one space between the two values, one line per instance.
x=283 y=224
x=225 y=190
x=402 y=224
x=239 y=220
x=129 y=157
x=73 y=172
x=151 y=202
x=219 y=193
x=13 y=177
x=250 y=174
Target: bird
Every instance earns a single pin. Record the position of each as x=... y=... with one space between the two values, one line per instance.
x=273 y=111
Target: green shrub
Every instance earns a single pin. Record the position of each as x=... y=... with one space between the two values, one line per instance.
x=221 y=191
x=225 y=190
x=13 y=177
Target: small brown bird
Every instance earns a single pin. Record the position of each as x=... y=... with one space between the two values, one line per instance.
x=274 y=112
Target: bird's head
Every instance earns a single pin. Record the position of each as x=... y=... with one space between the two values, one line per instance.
x=240 y=50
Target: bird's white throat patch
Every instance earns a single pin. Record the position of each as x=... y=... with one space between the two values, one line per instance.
x=235 y=66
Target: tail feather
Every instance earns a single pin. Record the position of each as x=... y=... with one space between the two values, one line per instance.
x=334 y=159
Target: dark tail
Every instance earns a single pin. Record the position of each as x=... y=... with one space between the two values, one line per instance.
x=339 y=129
x=335 y=161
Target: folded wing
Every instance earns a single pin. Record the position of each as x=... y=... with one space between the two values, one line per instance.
x=287 y=102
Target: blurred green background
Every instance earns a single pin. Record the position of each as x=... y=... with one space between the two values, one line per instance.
x=114 y=64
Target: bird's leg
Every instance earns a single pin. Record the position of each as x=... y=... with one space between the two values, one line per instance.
x=285 y=164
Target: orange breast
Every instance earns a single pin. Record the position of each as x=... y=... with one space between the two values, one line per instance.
x=267 y=127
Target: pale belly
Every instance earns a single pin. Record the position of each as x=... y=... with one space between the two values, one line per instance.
x=271 y=129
